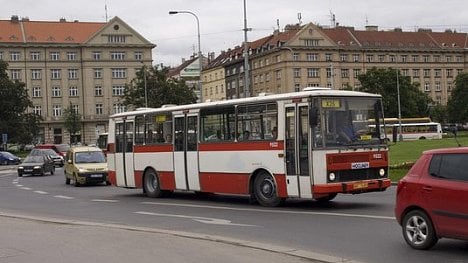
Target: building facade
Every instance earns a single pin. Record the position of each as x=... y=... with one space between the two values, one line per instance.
x=83 y=66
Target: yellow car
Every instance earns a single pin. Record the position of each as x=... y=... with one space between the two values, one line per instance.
x=85 y=165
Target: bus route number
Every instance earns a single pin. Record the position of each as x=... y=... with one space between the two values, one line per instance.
x=331 y=103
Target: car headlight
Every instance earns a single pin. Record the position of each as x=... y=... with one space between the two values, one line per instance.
x=37 y=167
x=332 y=177
x=81 y=170
x=382 y=172
x=20 y=168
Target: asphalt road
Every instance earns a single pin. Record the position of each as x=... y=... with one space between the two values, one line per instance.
x=359 y=227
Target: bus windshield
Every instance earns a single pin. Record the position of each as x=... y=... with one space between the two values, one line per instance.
x=345 y=121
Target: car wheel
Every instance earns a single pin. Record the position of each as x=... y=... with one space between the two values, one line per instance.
x=67 y=180
x=265 y=190
x=418 y=230
x=151 y=184
x=52 y=171
x=75 y=181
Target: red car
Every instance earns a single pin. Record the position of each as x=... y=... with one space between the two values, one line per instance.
x=432 y=199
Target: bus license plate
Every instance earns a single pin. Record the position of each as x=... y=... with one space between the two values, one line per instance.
x=360 y=185
x=96 y=175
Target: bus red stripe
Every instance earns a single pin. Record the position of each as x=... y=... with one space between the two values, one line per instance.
x=152 y=148
x=242 y=146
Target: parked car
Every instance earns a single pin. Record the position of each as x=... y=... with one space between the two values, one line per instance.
x=432 y=199
x=7 y=158
x=58 y=159
x=36 y=165
x=84 y=165
x=61 y=149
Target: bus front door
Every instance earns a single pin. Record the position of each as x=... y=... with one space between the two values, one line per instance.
x=124 y=154
x=297 y=151
x=186 y=152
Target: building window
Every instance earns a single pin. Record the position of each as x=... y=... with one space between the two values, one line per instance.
x=277 y=58
x=15 y=74
x=1 y=55
x=329 y=72
x=278 y=74
x=71 y=55
x=449 y=73
x=37 y=109
x=120 y=55
x=449 y=86
x=427 y=86
x=392 y=58
x=98 y=73
x=311 y=42
x=312 y=57
x=404 y=58
x=73 y=74
x=36 y=74
x=344 y=57
x=328 y=57
x=415 y=72
x=312 y=72
x=295 y=56
x=267 y=77
x=370 y=58
x=55 y=73
x=96 y=55
x=405 y=72
x=97 y=90
x=426 y=58
x=116 y=39
x=35 y=55
x=297 y=87
x=54 y=56
x=118 y=90
x=437 y=86
x=15 y=56
x=119 y=73
x=138 y=55
x=448 y=58
x=57 y=110
x=459 y=59
x=436 y=58
x=99 y=109
x=73 y=91
x=75 y=108
x=356 y=57
x=357 y=72
x=297 y=72
x=437 y=73
x=415 y=58
x=119 y=107
x=345 y=73
x=36 y=92
x=381 y=58
x=56 y=92
x=427 y=72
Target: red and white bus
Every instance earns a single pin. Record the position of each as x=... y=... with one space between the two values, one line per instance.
x=270 y=147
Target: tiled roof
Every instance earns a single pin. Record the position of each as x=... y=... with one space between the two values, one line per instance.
x=25 y=31
x=176 y=71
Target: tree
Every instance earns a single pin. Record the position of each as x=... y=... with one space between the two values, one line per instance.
x=457 y=105
x=72 y=123
x=438 y=113
x=159 y=89
x=413 y=102
x=21 y=127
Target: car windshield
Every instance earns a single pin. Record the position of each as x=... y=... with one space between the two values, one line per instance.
x=49 y=152
x=34 y=159
x=90 y=157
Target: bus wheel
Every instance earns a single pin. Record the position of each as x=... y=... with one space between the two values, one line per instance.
x=265 y=190
x=151 y=185
x=326 y=198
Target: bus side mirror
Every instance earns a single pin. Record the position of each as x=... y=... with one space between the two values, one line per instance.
x=313 y=116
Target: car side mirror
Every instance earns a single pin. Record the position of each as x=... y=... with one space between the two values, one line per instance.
x=70 y=161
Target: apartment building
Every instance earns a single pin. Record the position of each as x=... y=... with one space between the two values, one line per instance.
x=310 y=55
x=81 y=65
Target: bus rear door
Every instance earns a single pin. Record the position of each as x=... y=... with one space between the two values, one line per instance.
x=124 y=153
x=297 y=150
x=186 y=151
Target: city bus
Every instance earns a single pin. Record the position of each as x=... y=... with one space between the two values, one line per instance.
x=411 y=129
x=269 y=148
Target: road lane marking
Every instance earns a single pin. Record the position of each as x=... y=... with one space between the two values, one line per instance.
x=19 y=185
x=205 y=220
x=26 y=188
x=275 y=211
x=41 y=192
x=64 y=197
x=105 y=200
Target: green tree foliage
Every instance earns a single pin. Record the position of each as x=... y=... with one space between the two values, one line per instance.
x=414 y=103
x=20 y=126
x=438 y=113
x=160 y=89
x=72 y=123
x=457 y=106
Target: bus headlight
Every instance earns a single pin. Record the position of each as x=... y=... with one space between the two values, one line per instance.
x=382 y=172
x=332 y=177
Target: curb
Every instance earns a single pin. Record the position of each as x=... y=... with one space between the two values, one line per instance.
x=231 y=241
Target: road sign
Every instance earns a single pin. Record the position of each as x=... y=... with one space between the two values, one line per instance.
x=4 y=137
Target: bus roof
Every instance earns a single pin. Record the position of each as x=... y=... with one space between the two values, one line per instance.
x=274 y=97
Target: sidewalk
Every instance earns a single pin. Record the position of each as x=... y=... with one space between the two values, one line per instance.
x=33 y=239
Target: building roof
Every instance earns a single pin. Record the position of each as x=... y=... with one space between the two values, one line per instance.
x=177 y=70
x=25 y=31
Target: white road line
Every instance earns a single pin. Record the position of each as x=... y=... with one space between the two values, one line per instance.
x=64 y=197
x=105 y=200
x=205 y=220
x=19 y=185
x=40 y=192
x=274 y=211
x=26 y=188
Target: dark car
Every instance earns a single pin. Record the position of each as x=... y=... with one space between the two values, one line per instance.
x=36 y=165
x=9 y=158
x=58 y=159
x=432 y=199
x=61 y=149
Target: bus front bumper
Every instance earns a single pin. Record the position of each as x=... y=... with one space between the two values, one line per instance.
x=355 y=187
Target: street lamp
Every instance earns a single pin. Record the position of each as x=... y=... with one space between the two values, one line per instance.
x=146 y=89
x=400 y=135
x=199 y=48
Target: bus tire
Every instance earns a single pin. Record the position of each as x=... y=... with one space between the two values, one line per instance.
x=265 y=190
x=151 y=185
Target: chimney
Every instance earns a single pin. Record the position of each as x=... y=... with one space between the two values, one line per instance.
x=14 y=19
x=25 y=19
x=62 y=20
x=372 y=28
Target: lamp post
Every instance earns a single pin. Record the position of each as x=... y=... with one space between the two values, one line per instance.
x=246 y=56
x=400 y=135
x=200 y=61
x=146 y=89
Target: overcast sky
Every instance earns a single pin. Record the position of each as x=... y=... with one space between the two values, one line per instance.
x=222 y=21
